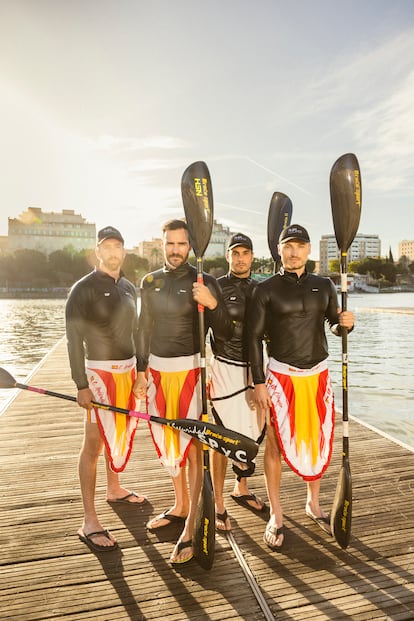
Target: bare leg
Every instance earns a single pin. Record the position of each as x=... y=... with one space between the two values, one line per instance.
x=87 y=466
x=273 y=475
x=195 y=479
x=115 y=490
x=312 y=501
x=181 y=504
x=241 y=489
x=218 y=475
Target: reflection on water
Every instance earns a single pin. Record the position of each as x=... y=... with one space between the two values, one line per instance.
x=381 y=355
x=28 y=330
x=380 y=365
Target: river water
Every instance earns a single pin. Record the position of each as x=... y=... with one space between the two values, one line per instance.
x=381 y=355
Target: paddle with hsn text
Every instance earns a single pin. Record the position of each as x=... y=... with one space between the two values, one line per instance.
x=345 y=189
x=227 y=442
x=279 y=216
x=198 y=207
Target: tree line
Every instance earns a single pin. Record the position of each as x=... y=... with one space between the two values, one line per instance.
x=32 y=269
x=383 y=270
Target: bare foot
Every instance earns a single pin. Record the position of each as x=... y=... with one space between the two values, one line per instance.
x=223 y=521
x=182 y=553
x=273 y=535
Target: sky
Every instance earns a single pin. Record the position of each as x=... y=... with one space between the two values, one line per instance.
x=104 y=104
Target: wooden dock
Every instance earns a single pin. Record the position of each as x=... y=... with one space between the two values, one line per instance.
x=47 y=573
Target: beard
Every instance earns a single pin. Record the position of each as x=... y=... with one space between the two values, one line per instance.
x=175 y=260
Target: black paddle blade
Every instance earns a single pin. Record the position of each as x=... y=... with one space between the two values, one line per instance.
x=197 y=197
x=279 y=216
x=341 y=514
x=233 y=445
x=204 y=538
x=6 y=380
x=345 y=188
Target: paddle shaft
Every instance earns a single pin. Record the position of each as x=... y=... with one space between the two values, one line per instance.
x=344 y=331
x=204 y=536
x=225 y=441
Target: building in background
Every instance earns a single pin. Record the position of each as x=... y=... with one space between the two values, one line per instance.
x=406 y=249
x=35 y=229
x=4 y=244
x=220 y=236
x=152 y=251
x=362 y=246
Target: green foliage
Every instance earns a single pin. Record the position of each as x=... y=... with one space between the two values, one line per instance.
x=334 y=266
x=31 y=269
x=310 y=266
x=134 y=268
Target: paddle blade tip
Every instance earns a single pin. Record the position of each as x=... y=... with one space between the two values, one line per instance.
x=6 y=379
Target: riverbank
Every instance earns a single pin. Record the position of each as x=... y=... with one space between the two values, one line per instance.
x=47 y=573
x=34 y=294
x=402 y=310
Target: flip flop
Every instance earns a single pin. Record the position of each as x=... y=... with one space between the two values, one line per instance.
x=181 y=545
x=96 y=546
x=243 y=502
x=125 y=500
x=323 y=522
x=170 y=517
x=223 y=518
x=273 y=531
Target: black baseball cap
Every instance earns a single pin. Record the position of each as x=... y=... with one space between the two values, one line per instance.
x=239 y=239
x=294 y=231
x=109 y=232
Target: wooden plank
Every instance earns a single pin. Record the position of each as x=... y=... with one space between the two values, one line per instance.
x=47 y=573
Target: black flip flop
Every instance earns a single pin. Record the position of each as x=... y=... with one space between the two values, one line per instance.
x=181 y=545
x=223 y=518
x=323 y=522
x=96 y=546
x=243 y=502
x=125 y=500
x=170 y=517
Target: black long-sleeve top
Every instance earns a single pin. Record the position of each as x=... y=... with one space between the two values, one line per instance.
x=168 y=321
x=290 y=312
x=237 y=293
x=101 y=322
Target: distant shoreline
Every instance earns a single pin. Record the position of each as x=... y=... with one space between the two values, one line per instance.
x=402 y=310
x=33 y=295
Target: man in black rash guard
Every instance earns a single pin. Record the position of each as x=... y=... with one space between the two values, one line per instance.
x=230 y=386
x=289 y=310
x=168 y=350
x=101 y=324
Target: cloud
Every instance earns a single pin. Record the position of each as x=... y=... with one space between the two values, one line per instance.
x=140 y=144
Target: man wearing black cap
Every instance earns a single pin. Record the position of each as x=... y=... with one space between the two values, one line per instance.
x=290 y=310
x=101 y=326
x=230 y=386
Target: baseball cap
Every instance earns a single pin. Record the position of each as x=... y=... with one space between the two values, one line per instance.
x=238 y=239
x=109 y=232
x=294 y=231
